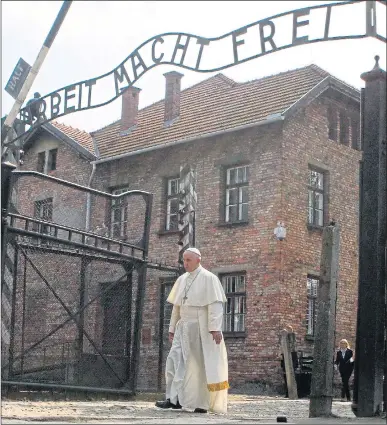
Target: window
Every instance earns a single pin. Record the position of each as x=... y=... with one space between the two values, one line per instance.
x=167 y=307
x=343 y=128
x=47 y=161
x=119 y=214
x=51 y=160
x=172 y=204
x=41 y=161
x=237 y=194
x=43 y=211
x=234 y=286
x=312 y=285
x=332 y=123
x=316 y=198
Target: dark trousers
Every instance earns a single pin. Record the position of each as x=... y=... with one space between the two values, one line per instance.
x=345 y=385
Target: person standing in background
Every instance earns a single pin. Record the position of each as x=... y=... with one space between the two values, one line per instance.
x=345 y=363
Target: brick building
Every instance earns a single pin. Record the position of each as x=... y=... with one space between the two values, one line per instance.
x=282 y=148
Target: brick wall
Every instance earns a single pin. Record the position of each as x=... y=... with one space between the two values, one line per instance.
x=276 y=272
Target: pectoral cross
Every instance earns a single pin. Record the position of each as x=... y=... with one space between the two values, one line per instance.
x=184 y=299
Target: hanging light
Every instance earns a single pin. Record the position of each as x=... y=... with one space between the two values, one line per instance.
x=280 y=231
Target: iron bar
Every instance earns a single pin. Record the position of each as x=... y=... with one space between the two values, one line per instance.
x=147 y=224
x=23 y=316
x=129 y=280
x=13 y=312
x=72 y=243
x=18 y=174
x=6 y=190
x=70 y=314
x=119 y=70
x=161 y=337
x=81 y=328
x=137 y=326
x=71 y=230
x=8 y=123
x=66 y=387
x=108 y=287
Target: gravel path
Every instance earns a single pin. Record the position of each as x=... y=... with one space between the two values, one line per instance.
x=242 y=409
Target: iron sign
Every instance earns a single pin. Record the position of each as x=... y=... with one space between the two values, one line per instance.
x=300 y=27
x=17 y=78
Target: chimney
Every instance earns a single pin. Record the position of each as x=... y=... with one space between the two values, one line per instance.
x=172 y=96
x=130 y=97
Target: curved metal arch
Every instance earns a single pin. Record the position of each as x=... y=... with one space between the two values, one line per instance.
x=370 y=32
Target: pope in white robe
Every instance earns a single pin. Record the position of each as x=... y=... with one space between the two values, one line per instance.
x=196 y=368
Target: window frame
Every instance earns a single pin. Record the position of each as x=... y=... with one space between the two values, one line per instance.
x=233 y=296
x=124 y=207
x=39 y=206
x=311 y=296
x=52 y=153
x=168 y=198
x=238 y=186
x=47 y=160
x=323 y=191
x=332 y=115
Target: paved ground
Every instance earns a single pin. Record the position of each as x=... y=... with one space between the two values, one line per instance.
x=242 y=409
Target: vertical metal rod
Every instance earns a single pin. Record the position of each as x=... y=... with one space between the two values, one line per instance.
x=147 y=224
x=81 y=327
x=23 y=316
x=6 y=192
x=8 y=123
x=129 y=282
x=142 y=269
x=194 y=228
x=13 y=312
x=161 y=337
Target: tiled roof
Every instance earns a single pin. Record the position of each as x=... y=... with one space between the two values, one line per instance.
x=215 y=104
x=81 y=137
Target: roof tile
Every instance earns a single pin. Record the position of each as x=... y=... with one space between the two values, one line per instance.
x=215 y=104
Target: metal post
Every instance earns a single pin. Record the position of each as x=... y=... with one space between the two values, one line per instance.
x=369 y=363
x=322 y=374
x=134 y=367
x=129 y=282
x=81 y=327
x=8 y=123
x=6 y=192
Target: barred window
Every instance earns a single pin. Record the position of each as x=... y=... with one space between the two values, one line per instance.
x=167 y=307
x=172 y=202
x=234 y=286
x=43 y=211
x=316 y=198
x=237 y=194
x=311 y=285
x=119 y=214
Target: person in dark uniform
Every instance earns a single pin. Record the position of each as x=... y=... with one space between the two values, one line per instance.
x=345 y=363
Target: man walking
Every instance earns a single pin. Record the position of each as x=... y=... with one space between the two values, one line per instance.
x=196 y=370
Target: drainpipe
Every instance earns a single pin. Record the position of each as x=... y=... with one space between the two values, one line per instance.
x=88 y=199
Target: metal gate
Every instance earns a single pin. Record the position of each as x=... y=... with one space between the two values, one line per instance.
x=74 y=272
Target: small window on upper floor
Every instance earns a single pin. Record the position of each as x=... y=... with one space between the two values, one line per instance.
x=237 y=194
x=41 y=161
x=47 y=161
x=51 y=160
x=332 y=123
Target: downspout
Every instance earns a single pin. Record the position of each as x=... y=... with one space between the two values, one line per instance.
x=88 y=199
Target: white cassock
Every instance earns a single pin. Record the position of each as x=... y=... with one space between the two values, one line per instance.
x=197 y=370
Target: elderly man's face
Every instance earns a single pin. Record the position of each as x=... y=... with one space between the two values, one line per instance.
x=191 y=261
